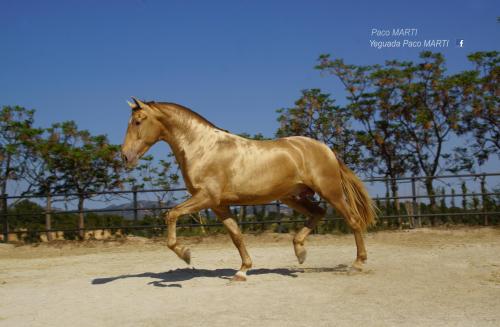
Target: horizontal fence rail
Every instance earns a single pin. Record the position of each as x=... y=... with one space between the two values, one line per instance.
x=408 y=210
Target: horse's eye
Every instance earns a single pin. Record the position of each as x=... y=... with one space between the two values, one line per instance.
x=137 y=123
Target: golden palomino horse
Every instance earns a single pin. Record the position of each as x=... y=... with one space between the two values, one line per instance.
x=222 y=169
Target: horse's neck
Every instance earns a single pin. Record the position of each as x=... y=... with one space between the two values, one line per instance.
x=188 y=137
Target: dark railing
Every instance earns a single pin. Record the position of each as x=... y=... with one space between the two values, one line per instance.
x=407 y=210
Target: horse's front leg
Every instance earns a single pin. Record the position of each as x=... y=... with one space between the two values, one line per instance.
x=225 y=215
x=198 y=202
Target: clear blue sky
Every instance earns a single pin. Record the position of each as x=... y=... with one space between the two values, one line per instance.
x=235 y=62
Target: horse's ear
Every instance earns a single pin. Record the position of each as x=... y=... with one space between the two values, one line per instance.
x=138 y=104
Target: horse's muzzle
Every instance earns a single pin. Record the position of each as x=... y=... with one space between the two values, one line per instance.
x=127 y=161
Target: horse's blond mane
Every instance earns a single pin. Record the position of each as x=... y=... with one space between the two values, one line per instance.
x=184 y=110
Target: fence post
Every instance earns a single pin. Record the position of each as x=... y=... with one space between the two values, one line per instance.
x=5 y=219
x=414 y=201
x=263 y=217
x=475 y=204
x=410 y=214
x=484 y=198
x=48 y=217
x=136 y=214
x=278 y=214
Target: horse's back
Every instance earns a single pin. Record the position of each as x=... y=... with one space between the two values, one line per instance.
x=274 y=168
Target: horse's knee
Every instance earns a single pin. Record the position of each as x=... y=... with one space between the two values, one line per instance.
x=297 y=240
x=171 y=217
x=171 y=244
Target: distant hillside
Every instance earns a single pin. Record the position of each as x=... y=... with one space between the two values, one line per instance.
x=150 y=207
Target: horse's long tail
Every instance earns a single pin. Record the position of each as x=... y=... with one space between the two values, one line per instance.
x=362 y=206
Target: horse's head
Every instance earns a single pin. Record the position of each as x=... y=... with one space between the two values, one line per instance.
x=143 y=131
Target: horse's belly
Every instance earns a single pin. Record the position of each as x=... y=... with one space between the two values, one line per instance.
x=255 y=193
x=265 y=176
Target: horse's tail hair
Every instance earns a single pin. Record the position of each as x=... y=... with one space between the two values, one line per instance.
x=362 y=206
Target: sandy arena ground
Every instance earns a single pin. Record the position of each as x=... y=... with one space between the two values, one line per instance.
x=413 y=278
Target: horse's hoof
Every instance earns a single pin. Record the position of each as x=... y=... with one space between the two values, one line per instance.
x=357 y=265
x=239 y=277
x=186 y=256
x=301 y=254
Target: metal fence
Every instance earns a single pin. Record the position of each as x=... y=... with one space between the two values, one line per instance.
x=409 y=208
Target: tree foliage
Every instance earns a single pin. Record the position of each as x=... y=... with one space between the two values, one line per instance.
x=482 y=114
x=409 y=112
x=16 y=131
x=84 y=163
x=81 y=163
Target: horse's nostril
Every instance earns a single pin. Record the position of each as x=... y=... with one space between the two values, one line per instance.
x=124 y=158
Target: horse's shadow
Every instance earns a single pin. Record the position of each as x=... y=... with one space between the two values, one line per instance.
x=172 y=278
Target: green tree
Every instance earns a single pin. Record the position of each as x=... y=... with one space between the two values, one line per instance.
x=16 y=130
x=409 y=111
x=371 y=96
x=482 y=117
x=84 y=164
x=41 y=170
x=27 y=215
x=430 y=113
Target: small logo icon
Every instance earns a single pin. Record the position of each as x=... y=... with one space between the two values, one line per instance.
x=460 y=43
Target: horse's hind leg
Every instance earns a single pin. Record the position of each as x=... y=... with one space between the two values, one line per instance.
x=314 y=212
x=224 y=214
x=337 y=200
